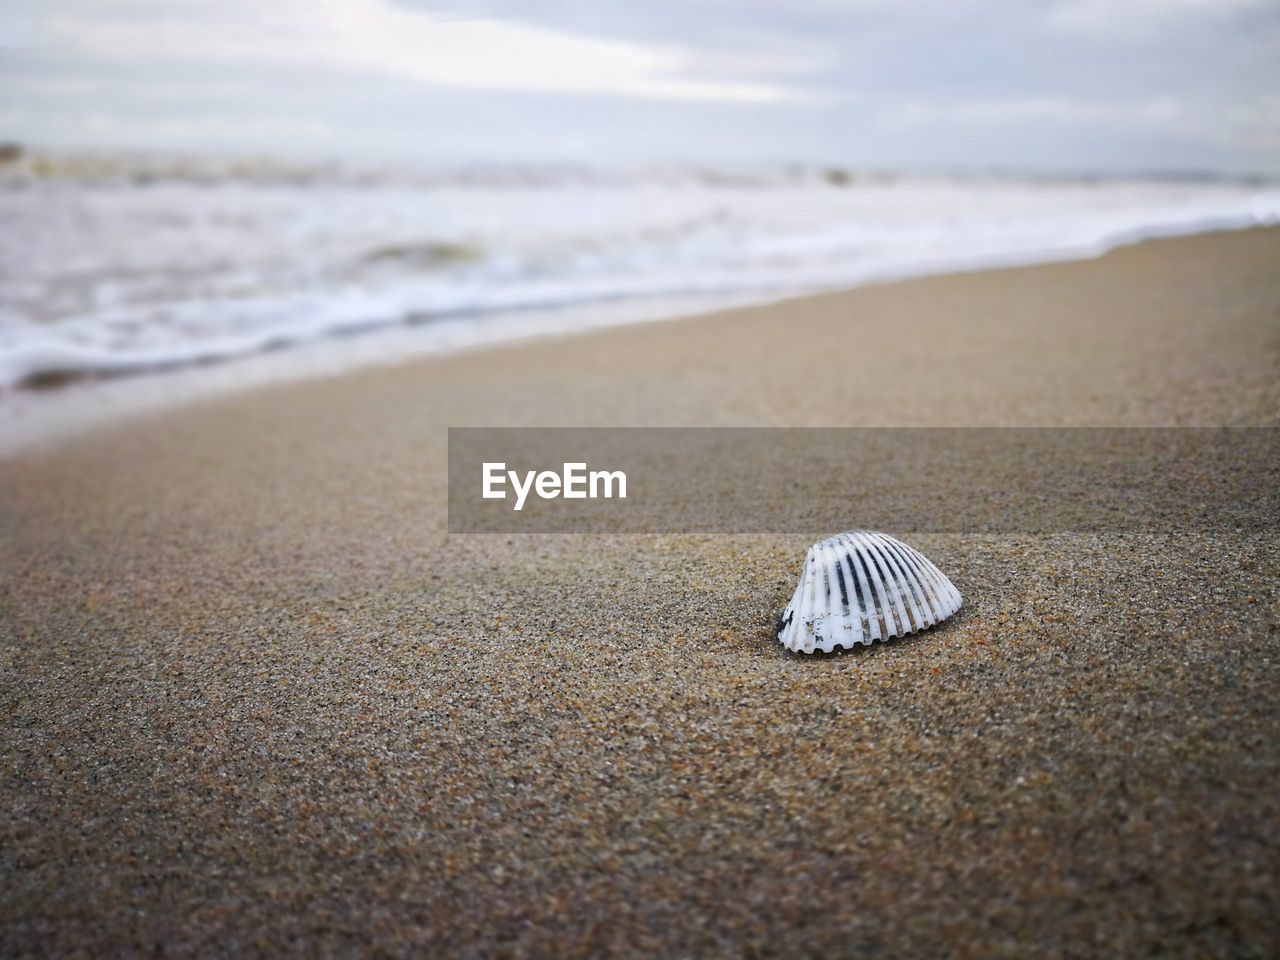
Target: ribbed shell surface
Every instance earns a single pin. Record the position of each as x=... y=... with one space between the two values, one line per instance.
x=860 y=587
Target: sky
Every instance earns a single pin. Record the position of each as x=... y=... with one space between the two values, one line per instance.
x=1051 y=85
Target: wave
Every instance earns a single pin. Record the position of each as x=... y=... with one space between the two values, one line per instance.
x=117 y=280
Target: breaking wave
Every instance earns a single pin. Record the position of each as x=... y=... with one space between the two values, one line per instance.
x=107 y=275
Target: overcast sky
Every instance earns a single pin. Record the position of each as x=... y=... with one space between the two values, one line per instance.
x=1049 y=84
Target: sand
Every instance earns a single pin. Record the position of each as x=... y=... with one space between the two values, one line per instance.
x=258 y=702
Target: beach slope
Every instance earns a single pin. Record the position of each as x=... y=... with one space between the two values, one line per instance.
x=258 y=701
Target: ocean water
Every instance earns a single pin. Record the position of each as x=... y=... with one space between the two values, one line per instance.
x=124 y=267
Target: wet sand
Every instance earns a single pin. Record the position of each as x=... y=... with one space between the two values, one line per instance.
x=259 y=702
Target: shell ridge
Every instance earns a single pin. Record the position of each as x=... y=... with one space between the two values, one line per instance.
x=836 y=604
x=854 y=609
x=905 y=590
x=791 y=615
x=927 y=609
x=811 y=598
x=823 y=614
x=909 y=613
x=888 y=606
x=954 y=599
x=936 y=582
x=802 y=603
x=885 y=612
x=950 y=595
x=868 y=600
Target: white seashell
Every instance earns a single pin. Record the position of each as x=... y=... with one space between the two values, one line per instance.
x=860 y=587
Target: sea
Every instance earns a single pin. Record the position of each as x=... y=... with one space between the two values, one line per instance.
x=130 y=267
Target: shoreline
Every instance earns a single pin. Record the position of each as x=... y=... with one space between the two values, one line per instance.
x=40 y=418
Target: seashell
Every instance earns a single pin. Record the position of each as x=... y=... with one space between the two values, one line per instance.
x=860 y=587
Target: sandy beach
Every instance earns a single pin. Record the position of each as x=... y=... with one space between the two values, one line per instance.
x=259 y=702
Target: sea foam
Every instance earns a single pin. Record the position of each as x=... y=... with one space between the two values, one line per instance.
x=104 y=271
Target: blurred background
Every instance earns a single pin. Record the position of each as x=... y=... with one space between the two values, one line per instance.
x=213 y=180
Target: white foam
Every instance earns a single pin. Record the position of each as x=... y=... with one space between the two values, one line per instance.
x=109 y=277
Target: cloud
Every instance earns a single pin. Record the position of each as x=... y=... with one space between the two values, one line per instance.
x=380 y=37
x=1097 y=15
x=1080 y=83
